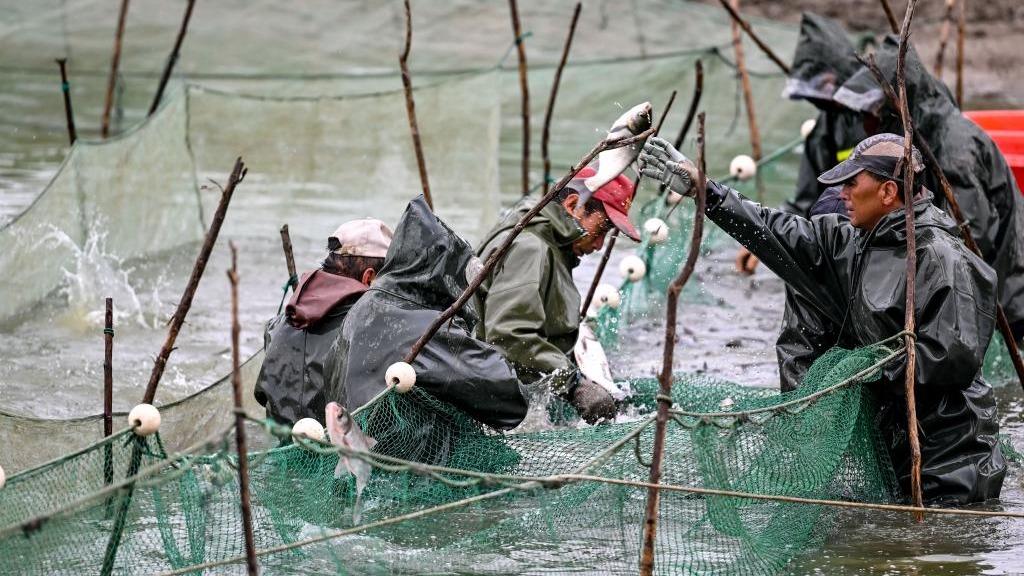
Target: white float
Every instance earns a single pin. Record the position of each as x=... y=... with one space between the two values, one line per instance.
x=633 y=268
x=607 y=295
x=310 y=428
x=807 y=127
x=402 y=376
x=743 y=167
x=3 y=478
x=144 y=419
x=657 y=229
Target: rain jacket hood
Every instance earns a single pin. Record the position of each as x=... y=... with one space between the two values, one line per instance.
x=824 y=59
x=423 y=273
x=317 y=294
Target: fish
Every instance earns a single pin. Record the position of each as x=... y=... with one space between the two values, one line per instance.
x=345 y=433
x=611 y=163
x=593 y=364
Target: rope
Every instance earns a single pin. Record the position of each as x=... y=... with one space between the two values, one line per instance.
x=292 y=282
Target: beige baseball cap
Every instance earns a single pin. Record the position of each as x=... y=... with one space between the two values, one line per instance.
x=363 y=237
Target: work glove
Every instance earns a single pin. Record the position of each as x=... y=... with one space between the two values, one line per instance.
x=661 y=161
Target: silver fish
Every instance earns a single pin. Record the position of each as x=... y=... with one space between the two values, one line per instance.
x=346 y=433
x=593 y=364
x=611 y=163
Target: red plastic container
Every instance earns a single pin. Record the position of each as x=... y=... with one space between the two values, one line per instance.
x=1006 y=128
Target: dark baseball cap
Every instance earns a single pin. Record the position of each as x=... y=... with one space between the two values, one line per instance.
x=881 y=154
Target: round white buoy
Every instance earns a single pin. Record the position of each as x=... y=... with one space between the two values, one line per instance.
x=144 y=419
x=657 y=229
x=3 y=478
x=743 y=167
x=806 y=127
x=607 y=295
x=402 y=376
x=727 y=403
x=633 y=268
x=308 y=427
x=673 y=198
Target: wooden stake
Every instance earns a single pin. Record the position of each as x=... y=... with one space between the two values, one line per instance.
x=524 y=90
x=173 y=58
x=243 y=454
x=954 y=209
x=615 y=234
x=908 y=203
x=947 y=21
x=750 y=32
x=498 y=254
x=748 y=97
x=891 y=17
x=108 y=388
x=289 y=256
x=960 y=29
x=546 y=133
x=114 y=62
x=65 y=87
x=410 y=108
x=698 y=90
x=237 y=175
x=650 y=529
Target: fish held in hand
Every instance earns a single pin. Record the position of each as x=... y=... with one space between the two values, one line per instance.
x=611 y=163
x=345 y=433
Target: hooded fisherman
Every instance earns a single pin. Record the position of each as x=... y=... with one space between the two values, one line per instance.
x=291 y=382
x=982 y=182
x=853 y=273
x=426 y=269
x=529 y=303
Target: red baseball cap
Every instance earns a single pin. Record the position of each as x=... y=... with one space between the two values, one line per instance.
x=616 y=197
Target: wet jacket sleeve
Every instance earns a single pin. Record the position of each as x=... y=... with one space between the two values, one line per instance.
x=976 y=203
x=514 y=312
x=804 y=253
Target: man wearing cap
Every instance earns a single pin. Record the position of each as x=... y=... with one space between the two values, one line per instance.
x=291 y=381
x=529 y=303
x=853 y=272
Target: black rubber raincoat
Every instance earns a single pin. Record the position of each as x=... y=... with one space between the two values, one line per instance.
x=856 y=279
x=424 y=272
x=981 y=179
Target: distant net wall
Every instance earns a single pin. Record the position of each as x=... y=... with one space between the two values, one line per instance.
x=183 y=512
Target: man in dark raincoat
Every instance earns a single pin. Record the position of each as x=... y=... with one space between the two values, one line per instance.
x=291 y=381
x=427 y=267
x=982 y=182
x=853 y=272
x=529 y=303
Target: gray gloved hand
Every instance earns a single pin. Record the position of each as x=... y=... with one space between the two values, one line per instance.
x=593 y=402
x=661 y=161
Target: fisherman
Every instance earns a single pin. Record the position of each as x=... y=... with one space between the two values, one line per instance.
x=426 y=269
x=291 y=381
x=982 y=182
x=529 y=303
x=853 y=272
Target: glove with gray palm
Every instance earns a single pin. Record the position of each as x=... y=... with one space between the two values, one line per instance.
x=661 y=161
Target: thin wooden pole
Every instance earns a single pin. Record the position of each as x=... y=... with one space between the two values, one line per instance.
x=698 y=91
x=237 y=175
x=947 y=22
x=65 y=87
x=546 y=133
x=500 y=252
x=748 y=97
x=890 y=16
x=172 y=59
x=108 y=388
x=114 y=63
x=410 y=107
x=961 y=26
x=908 y=202
x=289 y=256
x=243 y=454
x=524 y=90
x=650 y=529
x=753 y=36
x=615 y=235
x=954 y=208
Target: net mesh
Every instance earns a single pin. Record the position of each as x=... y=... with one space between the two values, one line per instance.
x=817 y=442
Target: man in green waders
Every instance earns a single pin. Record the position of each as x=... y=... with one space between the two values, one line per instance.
x=529 y=303
x=854 y=273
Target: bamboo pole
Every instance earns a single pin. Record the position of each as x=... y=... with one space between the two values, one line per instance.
x=615 y=235
x=753 y=36
x=289 y=256
x=243 y=454
x=908 y=202
x=114 y=63
x=947 y=21
x=500 y=252
x=748 y=98
x=524 y=90
x=65 y=88
x=172 y=59
x=698 y=91
x=961 y=26
x=890 y=16
x=650 y=528
x=237 y=175
x=546 y=133
x=108 y=388
x=410 y=108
